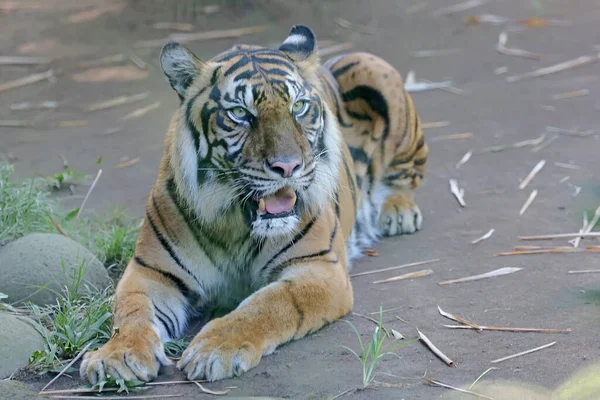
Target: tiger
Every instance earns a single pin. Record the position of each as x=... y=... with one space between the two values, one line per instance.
x=277 y=171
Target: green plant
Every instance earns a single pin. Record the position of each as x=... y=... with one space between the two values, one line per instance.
x=65 y=178
x=176 y=347
x=375 y=351
x=120 y=384
x=24 y=207
x=81 y=315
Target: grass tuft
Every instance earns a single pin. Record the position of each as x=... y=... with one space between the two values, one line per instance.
x=375 y=350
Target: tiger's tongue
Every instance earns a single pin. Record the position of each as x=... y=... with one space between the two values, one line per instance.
x=280 y=202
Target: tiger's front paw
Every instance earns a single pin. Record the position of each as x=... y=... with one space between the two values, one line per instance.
x=221 y=350
x=126 y=356
x=400 y=215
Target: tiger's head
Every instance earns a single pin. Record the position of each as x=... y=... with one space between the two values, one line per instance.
x=254 y=133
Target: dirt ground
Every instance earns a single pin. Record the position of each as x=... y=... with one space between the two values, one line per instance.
x=497 y=113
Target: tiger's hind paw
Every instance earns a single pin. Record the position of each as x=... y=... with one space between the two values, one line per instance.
x=400 y=215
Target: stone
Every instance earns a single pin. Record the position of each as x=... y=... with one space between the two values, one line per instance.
x=14 y=390
x=18 y=340
x=38 y=266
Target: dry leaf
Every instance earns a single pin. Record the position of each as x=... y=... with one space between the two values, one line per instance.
x=106 y=74
x=484 y=237
x=128 y=163
x=44 y=46
x=535 y=22
x=457 y=319
x=397 y=335
x=370 y=253
x=434 y=349
x=528 y=202
x=410 y=275
x=491 y=274
x=458 y=193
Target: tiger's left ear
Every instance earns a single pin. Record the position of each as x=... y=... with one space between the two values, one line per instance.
x=301 y=47
x=180 y=66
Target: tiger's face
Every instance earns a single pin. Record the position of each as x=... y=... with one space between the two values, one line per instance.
x=254 y=133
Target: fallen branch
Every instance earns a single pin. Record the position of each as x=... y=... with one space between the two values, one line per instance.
x=523 y=353
x=560 y=236
x=458 y=319
x=73 y=361
x=26 y=80
x=538 y=167
x=501 y=48
x=577 y=62
x=88 y=193
x=457 y=192
x=491 y=274
x=484 y=237
x=503 y=329
x=395 y=268
x=528 y=202
x=440 y=384
x=410 y=275
x=434 y=349
x=585 y=271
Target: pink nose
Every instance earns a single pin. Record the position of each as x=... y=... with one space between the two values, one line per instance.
x=284 y=166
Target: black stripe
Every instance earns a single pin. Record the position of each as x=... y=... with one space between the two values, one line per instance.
x=162 y=317
x=181 y=286
x=169 y=249
x=350 y=182
x=170 y=234
x=408 y=158
x=420 y=161
x=376 y=102
x=340 y=71
x=295 y=239
x=277 y=270
x=397 y=175
x=335 y=97
x=176 y=318
x=358 y=154
x=358 y=116
x=239 y=64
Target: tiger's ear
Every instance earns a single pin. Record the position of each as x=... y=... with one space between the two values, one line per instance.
x=180 y=66
x=301 y=47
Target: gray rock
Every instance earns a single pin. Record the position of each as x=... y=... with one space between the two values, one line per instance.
x=18 y=340
x=13 y=390
x=37 y=266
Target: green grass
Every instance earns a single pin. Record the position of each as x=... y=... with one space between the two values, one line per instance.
x=376 y=349
x=82 y=314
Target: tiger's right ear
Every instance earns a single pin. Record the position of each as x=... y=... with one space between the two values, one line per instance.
x=180 y=66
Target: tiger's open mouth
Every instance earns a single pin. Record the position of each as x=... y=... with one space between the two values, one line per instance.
x=277 y=205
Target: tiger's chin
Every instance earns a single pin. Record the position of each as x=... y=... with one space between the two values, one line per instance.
x=275 y=214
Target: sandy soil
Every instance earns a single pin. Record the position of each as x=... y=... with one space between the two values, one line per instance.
x=542 y=295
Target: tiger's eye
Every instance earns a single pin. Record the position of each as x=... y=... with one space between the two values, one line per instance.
x=239 y=112
x=298 y=106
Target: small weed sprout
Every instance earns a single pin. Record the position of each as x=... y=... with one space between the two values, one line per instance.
x=375 y=351
x=176 y=347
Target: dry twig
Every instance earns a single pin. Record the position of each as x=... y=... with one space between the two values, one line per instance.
x=458 y=319
x=459 y=7
x=437 y=124
x=528 y=202
x=538 y=167
x=501 y=48
x=440 y=384
x=484 y=237
x=503 y=329
x=88 y=193
x=458 y=193
x=116 y=101
x=464 y=158
x=24 y=60
x=73 y=361
x=560 y=236
x=577 y=62
x=491 y=274
x=585 y=271
x=27 y=80
x=395 y=268
x=410 y=275
x=523 y=353
x=571 y=94
x=140 y=112
x=434 y=349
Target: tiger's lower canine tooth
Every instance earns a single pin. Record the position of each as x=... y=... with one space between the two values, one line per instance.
x=295 y=198
x=261 y=205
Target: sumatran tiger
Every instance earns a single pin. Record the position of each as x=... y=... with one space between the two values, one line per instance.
x=276 y=172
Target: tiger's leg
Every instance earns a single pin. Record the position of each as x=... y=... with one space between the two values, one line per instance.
x=399 y=213
x=306 y=297
x=149 y=310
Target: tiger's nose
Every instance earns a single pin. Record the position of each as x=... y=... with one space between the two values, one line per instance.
x=284 y=166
